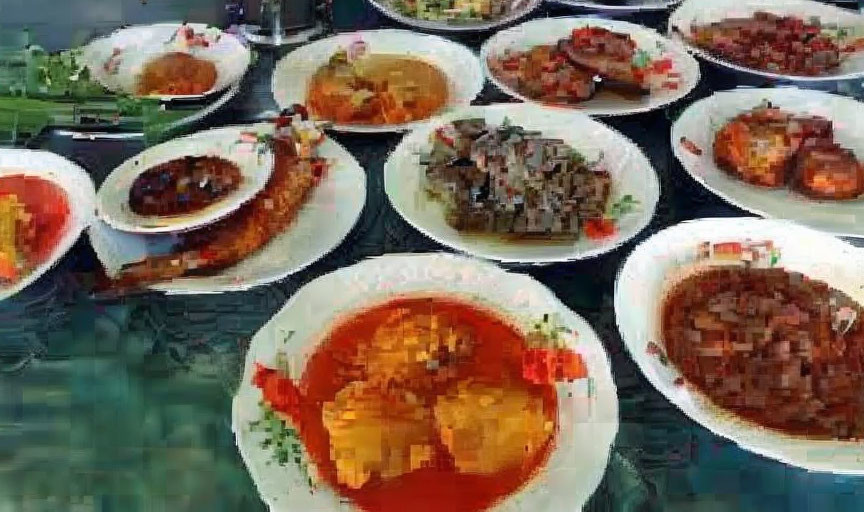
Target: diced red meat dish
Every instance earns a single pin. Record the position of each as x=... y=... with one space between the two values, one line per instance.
x=778 y=44
x=772 y=346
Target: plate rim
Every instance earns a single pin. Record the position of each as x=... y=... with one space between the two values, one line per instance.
x=655 y=189
x=433 y=26
x=617 y=8
x=486 y=47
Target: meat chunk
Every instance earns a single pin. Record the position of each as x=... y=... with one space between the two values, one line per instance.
x=376 y=430
x=607 y=54
x=759 y=146
x=757 y=153
x=488 y=429
x=828 y=171
x=422 y=348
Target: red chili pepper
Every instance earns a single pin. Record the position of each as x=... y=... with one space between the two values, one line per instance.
x=279 y=392
x=598 y=229
x=690 y=146
x=550 y=365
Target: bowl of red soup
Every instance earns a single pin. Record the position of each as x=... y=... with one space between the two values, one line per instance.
x=415 y=391
x=45 y=203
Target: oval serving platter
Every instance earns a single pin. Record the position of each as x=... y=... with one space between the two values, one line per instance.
x=80 y=195
x=588 y=412
x=139 y=44
x=548 y=31
x=631 y=171
x=254 y=160
x=620 y=5
x=444 y=26
x=707 y=11
x=464 y=75
x=699 y=123
x=662 y=260
x=324 y=220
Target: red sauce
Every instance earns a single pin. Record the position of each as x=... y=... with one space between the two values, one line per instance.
x=499 y=354
x=48 y=207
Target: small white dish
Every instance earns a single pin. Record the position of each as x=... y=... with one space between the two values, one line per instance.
x=464 y=75
x=631 y=171
x=321 y=224
x=80 y=195
x=588 y=408
x=700 y=12
x=140 y=44
x=255 y=161
x=700 y=122
x=656 y=264
x=548 y=31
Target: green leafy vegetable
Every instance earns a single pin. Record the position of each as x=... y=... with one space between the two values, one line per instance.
x=283 y=440
x=622 y=207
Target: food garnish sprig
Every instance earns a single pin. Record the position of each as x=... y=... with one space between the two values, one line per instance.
x=547 y=359
x=284 y=441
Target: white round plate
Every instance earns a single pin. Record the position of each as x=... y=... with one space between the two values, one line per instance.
x=464 y=75
x=628 y=5
x=656 y=264
x=141 y=44
x=544 y=31
x=700 y=12
x=588 y=413
x=254 y=160
x=322 y=223
x=701 y=121
x=631 y=172
x=80 y=194
x=392 y=13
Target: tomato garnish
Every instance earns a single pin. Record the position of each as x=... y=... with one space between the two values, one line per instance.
x=597 y=229
x=547 y=366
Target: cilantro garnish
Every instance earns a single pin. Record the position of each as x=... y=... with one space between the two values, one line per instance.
x=622 y=207
x=282 y=439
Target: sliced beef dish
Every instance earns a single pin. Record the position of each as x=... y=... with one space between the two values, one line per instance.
x=767 y=42
x=575 y=68
x=507 y=180
x=772 y=346
x=769 y=147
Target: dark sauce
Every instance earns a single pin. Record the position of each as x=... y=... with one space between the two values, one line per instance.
x=184 y=185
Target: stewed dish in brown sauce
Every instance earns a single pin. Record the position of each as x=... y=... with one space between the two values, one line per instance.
x=772 y=346
x=184 y=185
